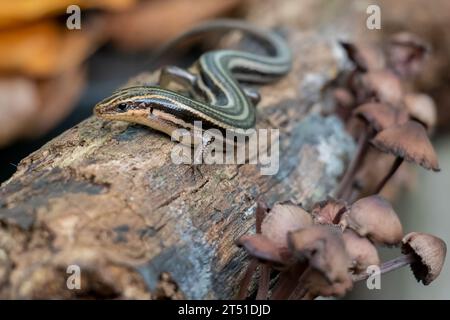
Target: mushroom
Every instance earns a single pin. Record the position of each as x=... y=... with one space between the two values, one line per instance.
x=377 y=117
x=381 y=86
x=287 y=282
x=373 y=217
x=364 y=57
x=361 y=251
x=283 y=218
x=421 y=108
x=425 y=254
x=343 y=101
x=380 y=116
x=328 y=211
x=343 y=97
x=269 y=245
x=322 y=248
x=406 y=54
x=408 y=142
x=429 y=253
x=314 y=284
x=263 y=249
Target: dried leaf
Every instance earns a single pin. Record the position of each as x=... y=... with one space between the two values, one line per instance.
x=18 y=12
x=46 y=49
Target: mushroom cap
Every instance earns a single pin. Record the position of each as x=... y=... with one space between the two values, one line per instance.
x=421 y=107
x=343 y=97
x=326 y=212
x=373 y=217
x=261 y=248
x=406 y=53
x=410 y=40
x=324 y=249
x=364 y=57
x=410 y=142
x=385 y=86
x=318 y=285
x=430 y=251
x=381 y=116
x=361 y=251
x=283 y=218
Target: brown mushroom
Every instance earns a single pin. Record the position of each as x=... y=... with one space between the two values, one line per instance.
x=343 y=97
x=421 y=108
x=373 y=217
x=377 y=117
x=323 y=248
x=425 y=254
x=263 y=249
x=361 y=251
x=363 y=56
x=408 y=142
x=328 y=211
x=283 y=218
x=380 y=116
x=406 y=54
x=269 y=244
x=287 y=281
x=314 y=284
x=381 y=86
x=343 y=101
x=429 y=252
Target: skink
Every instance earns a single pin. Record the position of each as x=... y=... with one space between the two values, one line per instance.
x=216 y=98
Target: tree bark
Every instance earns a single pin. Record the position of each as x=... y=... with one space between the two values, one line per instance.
x=106 y=197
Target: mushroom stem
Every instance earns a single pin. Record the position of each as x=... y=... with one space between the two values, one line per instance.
x=397 y=163
x=347 y=179
x=264 y=282
x=389 y=266
x=287 y=283
x=300 y=291
x=284 y=287
x=245 y=282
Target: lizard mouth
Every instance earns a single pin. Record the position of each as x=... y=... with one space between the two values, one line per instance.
x=102 y=111
x=98 y=113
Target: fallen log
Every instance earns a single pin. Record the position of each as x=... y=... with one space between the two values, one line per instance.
x=104 y=198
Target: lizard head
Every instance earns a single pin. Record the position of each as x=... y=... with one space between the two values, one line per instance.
x=126 y=105
x=139 y=105
x=122 y=110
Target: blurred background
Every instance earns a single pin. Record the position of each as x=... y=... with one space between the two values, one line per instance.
x=51 y=77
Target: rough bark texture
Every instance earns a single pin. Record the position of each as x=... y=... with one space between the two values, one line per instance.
x=106 y=196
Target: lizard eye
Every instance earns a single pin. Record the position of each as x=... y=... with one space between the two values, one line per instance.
x=122 y=107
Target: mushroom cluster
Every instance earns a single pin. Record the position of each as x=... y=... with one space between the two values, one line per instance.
x=298 y=254
x=303 y=255
x=377 y=103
